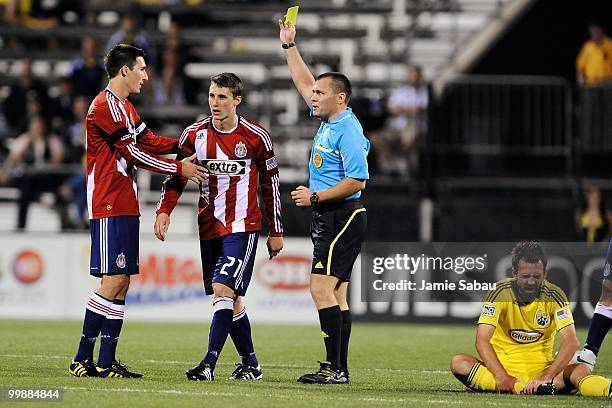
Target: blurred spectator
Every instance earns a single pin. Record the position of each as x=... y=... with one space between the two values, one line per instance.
x=87 y=73
x=128 y=34
x=35 y=14
x=593 y=218
x=60 y=105
x=398 y=142
x=168 y=86
x=23 y=98
x=74 y=190
x=594 y=62
x=33 y=166
x=174 y=41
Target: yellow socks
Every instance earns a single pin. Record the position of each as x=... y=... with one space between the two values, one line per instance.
x=595 y=386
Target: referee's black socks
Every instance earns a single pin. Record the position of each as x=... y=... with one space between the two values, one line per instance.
x=331 y=326
x=345 y=335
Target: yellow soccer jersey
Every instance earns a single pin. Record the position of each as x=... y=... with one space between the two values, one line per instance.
x=529 y=328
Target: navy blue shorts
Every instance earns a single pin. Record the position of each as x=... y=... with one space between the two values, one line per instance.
x=229 y=260
x=114 y=246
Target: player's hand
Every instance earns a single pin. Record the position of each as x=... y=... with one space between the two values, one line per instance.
x=506 y=384
x=162 y=222
x=532 y=387
x=192 y=171
x=301 y=196
x=287 y=32
x=275 y=245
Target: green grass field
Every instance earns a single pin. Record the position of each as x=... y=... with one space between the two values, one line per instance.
x=391 y=365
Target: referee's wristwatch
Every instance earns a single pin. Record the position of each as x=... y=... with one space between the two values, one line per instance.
x=314 y=198
x=288 y=45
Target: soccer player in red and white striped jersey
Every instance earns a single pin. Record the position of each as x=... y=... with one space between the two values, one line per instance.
x=239 y=156
x=118 y=142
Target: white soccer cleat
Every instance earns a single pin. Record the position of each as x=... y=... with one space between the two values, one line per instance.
x=586 y=357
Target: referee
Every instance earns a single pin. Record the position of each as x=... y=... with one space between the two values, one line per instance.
x=338 y=172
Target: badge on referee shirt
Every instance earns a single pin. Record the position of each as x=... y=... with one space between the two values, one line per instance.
x=317 y=159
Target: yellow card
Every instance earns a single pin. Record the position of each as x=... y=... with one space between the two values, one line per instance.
x=291 y=17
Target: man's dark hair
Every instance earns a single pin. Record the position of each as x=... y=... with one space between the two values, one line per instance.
x=120 y=55
x=530 y=252
x=229 y=80
x=340 y=83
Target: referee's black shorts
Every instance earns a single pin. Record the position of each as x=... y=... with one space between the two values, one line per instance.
x=337 y=231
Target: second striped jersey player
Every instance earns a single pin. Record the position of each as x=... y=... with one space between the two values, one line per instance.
x=237 y=161
x=239 y=155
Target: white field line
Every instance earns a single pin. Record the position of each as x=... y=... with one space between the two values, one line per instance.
x=276 y=396
x=241 y=395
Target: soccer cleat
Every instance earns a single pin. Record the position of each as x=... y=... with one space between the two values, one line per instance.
x=201 y=372
x=246 y=372
x=85 y=368
x=325 y=375
x=117 y=370
x=546 y=389
x=586 y=357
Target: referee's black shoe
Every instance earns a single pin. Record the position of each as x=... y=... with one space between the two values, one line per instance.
x=326 y=375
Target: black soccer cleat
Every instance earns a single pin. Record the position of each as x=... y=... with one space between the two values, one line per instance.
x=85 y=368
x=246 y=372
x=326 y=375
x=546 y=389
x=201 y=372
x=117 y=370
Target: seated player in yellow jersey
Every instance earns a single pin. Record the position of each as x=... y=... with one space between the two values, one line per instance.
x=515 y=336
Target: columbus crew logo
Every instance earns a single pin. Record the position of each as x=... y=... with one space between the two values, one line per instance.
x=317 y=160
x=240 y=150
x=121 y=260
x=541 y=318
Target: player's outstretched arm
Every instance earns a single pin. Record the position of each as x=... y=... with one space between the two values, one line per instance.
x=504 y=381
x=300 y=74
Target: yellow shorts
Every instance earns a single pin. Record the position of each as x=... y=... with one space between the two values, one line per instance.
x=525 y=367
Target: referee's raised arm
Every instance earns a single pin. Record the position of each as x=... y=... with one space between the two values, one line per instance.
x=301 y=75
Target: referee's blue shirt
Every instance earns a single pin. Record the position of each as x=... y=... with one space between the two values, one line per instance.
x=339 y=150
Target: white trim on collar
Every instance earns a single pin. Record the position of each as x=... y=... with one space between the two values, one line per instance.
x=212 y=122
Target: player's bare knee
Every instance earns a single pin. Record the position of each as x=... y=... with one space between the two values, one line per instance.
x=238 y=305
x=321 y=294
x=112 y=285
x=221 y=290
x=461 y=364
x=578 y=372
x=606 y=293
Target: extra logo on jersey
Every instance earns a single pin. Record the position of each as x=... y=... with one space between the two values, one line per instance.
x=121 y=260
x=525 y=336
x=317 y=160
x=541 y=318
x=240 y=150
x=225 y=167
x=606 y=271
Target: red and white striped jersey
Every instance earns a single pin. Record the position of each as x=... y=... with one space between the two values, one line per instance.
x=236 y=161
x=118 y=141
